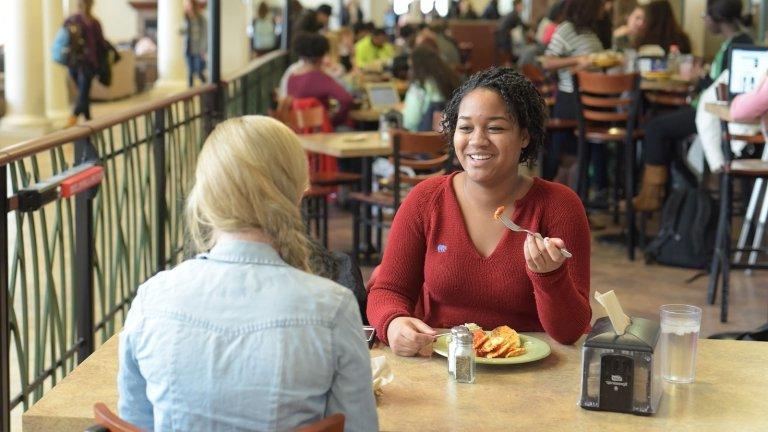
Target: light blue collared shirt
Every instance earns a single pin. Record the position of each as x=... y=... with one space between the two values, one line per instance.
x=238 y=340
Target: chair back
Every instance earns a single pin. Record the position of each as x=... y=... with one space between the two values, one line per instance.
x=110 y=421
x=543 y=84
x=332 y=423
x=309 y=116
x=424 y=152
x=607 y=104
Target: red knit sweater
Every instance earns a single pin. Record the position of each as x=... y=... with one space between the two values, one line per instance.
x=431 y=269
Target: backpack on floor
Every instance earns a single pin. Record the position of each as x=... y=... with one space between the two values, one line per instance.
x=687 y=234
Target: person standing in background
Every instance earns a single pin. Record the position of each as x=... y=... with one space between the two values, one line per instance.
x=491 y=12
x=263 y=30
x=195 y=33
x=351 y=13
x=87 y=45
x=313 y=21
x=511 y=21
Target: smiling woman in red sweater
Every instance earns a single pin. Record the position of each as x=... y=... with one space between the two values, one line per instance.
x=449 y=262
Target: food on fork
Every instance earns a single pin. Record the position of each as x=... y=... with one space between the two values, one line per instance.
x=503 y=342
x=499 y=211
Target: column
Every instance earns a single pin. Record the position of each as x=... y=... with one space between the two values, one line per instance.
x=24 y=96
x=56 y=99
x=235 y=46
x=171 y=67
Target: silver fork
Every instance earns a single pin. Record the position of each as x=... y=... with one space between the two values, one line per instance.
x=515 y=227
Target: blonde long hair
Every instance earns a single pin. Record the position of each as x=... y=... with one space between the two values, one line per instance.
x=251 y=174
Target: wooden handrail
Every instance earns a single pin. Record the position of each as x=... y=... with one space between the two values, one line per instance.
x=253 y=65
x=55 y=139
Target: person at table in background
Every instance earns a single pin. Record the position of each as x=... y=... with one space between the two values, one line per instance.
x=604 y=25
x=195 y=33
x=569 y=48
x=309 y=80
x=663 y=133
x=313 y=21
x=262 y=30
x=660 y=28
x=373 y=51
x=491 y=11
x=625 y=36
x=432 y=82
x=351 y=13
x=751 y=105
x=87 y=45
x=503 y=34
x=449 y=262
x=243 y=336
x=464 y=10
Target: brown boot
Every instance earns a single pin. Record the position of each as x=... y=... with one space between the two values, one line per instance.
x=651 y=195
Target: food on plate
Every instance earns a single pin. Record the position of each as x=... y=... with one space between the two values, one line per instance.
x=502 y=342
x=499 y=211
x=606 y=58
x=472 y=326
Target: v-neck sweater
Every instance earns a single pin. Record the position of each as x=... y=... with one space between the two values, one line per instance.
x=432 y=270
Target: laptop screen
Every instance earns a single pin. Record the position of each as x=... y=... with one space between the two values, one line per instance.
x=383 y=96
x=749 y=64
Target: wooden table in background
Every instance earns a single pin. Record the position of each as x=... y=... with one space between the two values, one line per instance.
x=346 y=144
x=672 y=86
x=728 y=395
x=365 y=115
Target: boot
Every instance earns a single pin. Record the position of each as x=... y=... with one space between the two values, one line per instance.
x=651 y=195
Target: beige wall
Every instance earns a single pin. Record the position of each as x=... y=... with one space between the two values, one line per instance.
x=119 y=20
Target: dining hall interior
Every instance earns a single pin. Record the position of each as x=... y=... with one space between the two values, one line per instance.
x=397 y=215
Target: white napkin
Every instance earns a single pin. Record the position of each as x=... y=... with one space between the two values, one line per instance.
x=610 y=302
x=382 y=374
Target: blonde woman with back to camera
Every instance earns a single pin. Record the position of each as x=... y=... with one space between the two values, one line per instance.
x=243 y=337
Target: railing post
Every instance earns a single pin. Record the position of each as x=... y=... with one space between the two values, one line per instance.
x=84 y=251
x=5 y=323
x=285 y=37
x=160 y=203
x=244 y=94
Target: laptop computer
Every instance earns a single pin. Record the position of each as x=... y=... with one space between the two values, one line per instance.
x=749 y=64
x=382 y=96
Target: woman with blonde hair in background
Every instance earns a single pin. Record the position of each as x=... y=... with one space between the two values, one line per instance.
x=243 y=337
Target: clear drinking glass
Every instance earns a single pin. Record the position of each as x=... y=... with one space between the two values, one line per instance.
x=680 y=326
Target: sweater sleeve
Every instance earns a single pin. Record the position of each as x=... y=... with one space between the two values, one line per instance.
x=400 y=277
x=562 y=296
x=751 y=105
x=336 y=91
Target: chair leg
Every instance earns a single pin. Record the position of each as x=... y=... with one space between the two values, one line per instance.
x=726 y=251
x=629 y=193
x=757 y=241
x=324 y=219
x=379 y=234
x=356 y=231
x=616 y=182
x=583 y=167
x=718 y=255
x=749 y=217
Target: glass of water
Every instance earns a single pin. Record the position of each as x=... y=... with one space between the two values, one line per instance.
x=680 y=326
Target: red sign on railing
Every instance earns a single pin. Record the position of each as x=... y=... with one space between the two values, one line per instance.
x=81 y=181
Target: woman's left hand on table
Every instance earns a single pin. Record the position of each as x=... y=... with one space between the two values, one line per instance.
x=543 y=256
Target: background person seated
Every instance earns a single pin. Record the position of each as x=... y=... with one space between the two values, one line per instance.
x=373 y=51
x=432 y=82
x=309 y=80
x=243 y=337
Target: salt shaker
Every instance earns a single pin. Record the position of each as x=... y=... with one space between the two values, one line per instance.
x=464 y=359
x=455 y=332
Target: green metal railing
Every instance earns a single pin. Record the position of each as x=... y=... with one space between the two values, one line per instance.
x=69 y=267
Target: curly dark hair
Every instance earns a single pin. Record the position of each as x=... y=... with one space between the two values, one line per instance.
x=311 y=46
x=524 y=104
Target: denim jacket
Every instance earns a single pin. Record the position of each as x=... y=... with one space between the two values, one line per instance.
x=236 y=340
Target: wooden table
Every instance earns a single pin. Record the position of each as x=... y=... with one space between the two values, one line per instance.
x=346 y=144
x=365 y=115
x=721 y=110
x=728 y=395
x=672 y=86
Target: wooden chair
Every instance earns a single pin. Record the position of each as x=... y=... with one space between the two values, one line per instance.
x=108 y=421
x=608 y=107
x=314 y=207
x=753 y=169
x=425 y=153
x=332 y=423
